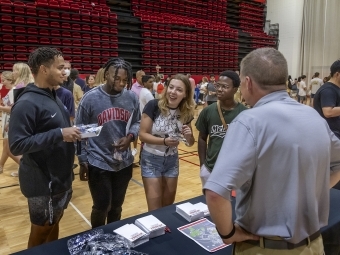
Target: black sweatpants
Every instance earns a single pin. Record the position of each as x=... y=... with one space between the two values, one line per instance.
x=108 y=191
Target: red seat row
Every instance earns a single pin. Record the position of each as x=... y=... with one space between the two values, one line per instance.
x=57 y=33
x=77 y=51
x=109 y=44
x=45 y=23
x=72 y=6
x=251 y=7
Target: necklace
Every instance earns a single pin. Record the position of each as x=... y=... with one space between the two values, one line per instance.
x=228 y=109
x=173 y=115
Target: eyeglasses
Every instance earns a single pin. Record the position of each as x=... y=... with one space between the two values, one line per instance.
x=223 y=86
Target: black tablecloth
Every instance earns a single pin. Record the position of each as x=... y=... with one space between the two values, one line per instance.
x=176 y=243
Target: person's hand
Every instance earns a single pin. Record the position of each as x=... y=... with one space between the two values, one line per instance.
x=240 y=236
x=6 y=127
x=71 y=134
x=171 y=142
x=84 y=172
x=123 y=143
x=186 y=131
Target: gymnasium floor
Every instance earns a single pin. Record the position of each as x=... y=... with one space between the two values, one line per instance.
x=14 y=219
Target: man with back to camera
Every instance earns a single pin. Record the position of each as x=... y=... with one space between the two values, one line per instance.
x=209 y=122
x=78 y=80
x=302 y=90
x=211 y=91
x=276 y=179
x=315 y=84
x=40 y=131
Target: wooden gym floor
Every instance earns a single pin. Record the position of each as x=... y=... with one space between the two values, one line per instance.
x=14 y=218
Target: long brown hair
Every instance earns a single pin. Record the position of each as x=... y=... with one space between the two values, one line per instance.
x=186 y=106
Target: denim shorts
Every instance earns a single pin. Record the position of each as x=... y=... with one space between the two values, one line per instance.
x=154 y=166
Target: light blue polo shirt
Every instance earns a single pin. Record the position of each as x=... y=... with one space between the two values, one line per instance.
x=278 y=156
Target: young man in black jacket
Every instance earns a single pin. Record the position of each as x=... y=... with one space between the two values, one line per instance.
x=40 y=131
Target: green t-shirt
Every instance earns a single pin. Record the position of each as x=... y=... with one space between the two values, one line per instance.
x=209 y=122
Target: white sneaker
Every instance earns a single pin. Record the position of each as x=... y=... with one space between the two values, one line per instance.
x=134 y=152
x=15 y=174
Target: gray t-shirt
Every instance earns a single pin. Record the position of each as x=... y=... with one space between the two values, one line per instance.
x=211 y=88
x=280 y=168
x=113 y=112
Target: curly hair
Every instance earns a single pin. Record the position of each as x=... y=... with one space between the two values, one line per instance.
x=119 y=63
x=186 y=106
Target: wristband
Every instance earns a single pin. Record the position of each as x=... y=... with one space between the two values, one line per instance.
x=229 y=235
x=61 y=130
x=164 y=141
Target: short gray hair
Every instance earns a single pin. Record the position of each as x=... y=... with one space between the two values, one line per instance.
x=266 y=66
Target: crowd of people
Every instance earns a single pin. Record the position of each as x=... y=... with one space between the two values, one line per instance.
x=242 y=144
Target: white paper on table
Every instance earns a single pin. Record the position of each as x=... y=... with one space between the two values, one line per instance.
x=151 y=223
x=130 y=231
x=202 y=207
x=204 y=233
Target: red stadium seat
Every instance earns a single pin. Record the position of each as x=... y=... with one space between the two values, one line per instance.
x=21 y=57
x=8 y=57
x=55 y=41
x=87 y=44
x=45 y=41
x=7 y=38
x=96 y=45
x=7 y=48
x=20 y=30
x=7 y=66
x=5 y=28
x=86 y=52
x=20 y=49
x=6 y=19
x=32 y=39
x=66 y=51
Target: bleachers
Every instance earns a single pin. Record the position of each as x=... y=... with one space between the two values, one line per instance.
x=185 y=43
x=184 y=36
x=64 y=24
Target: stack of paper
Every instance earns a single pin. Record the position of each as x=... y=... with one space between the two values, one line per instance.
x=151 y=225
x=203 y=207
x=133 y=235
x=189 y=212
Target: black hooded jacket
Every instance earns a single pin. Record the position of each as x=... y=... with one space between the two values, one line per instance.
x=35 y=132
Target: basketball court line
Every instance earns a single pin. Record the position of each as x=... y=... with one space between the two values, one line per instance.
x=185 y=156
x=190 y=162
x=137 y=182
x=9 y=186
x=81 y=215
